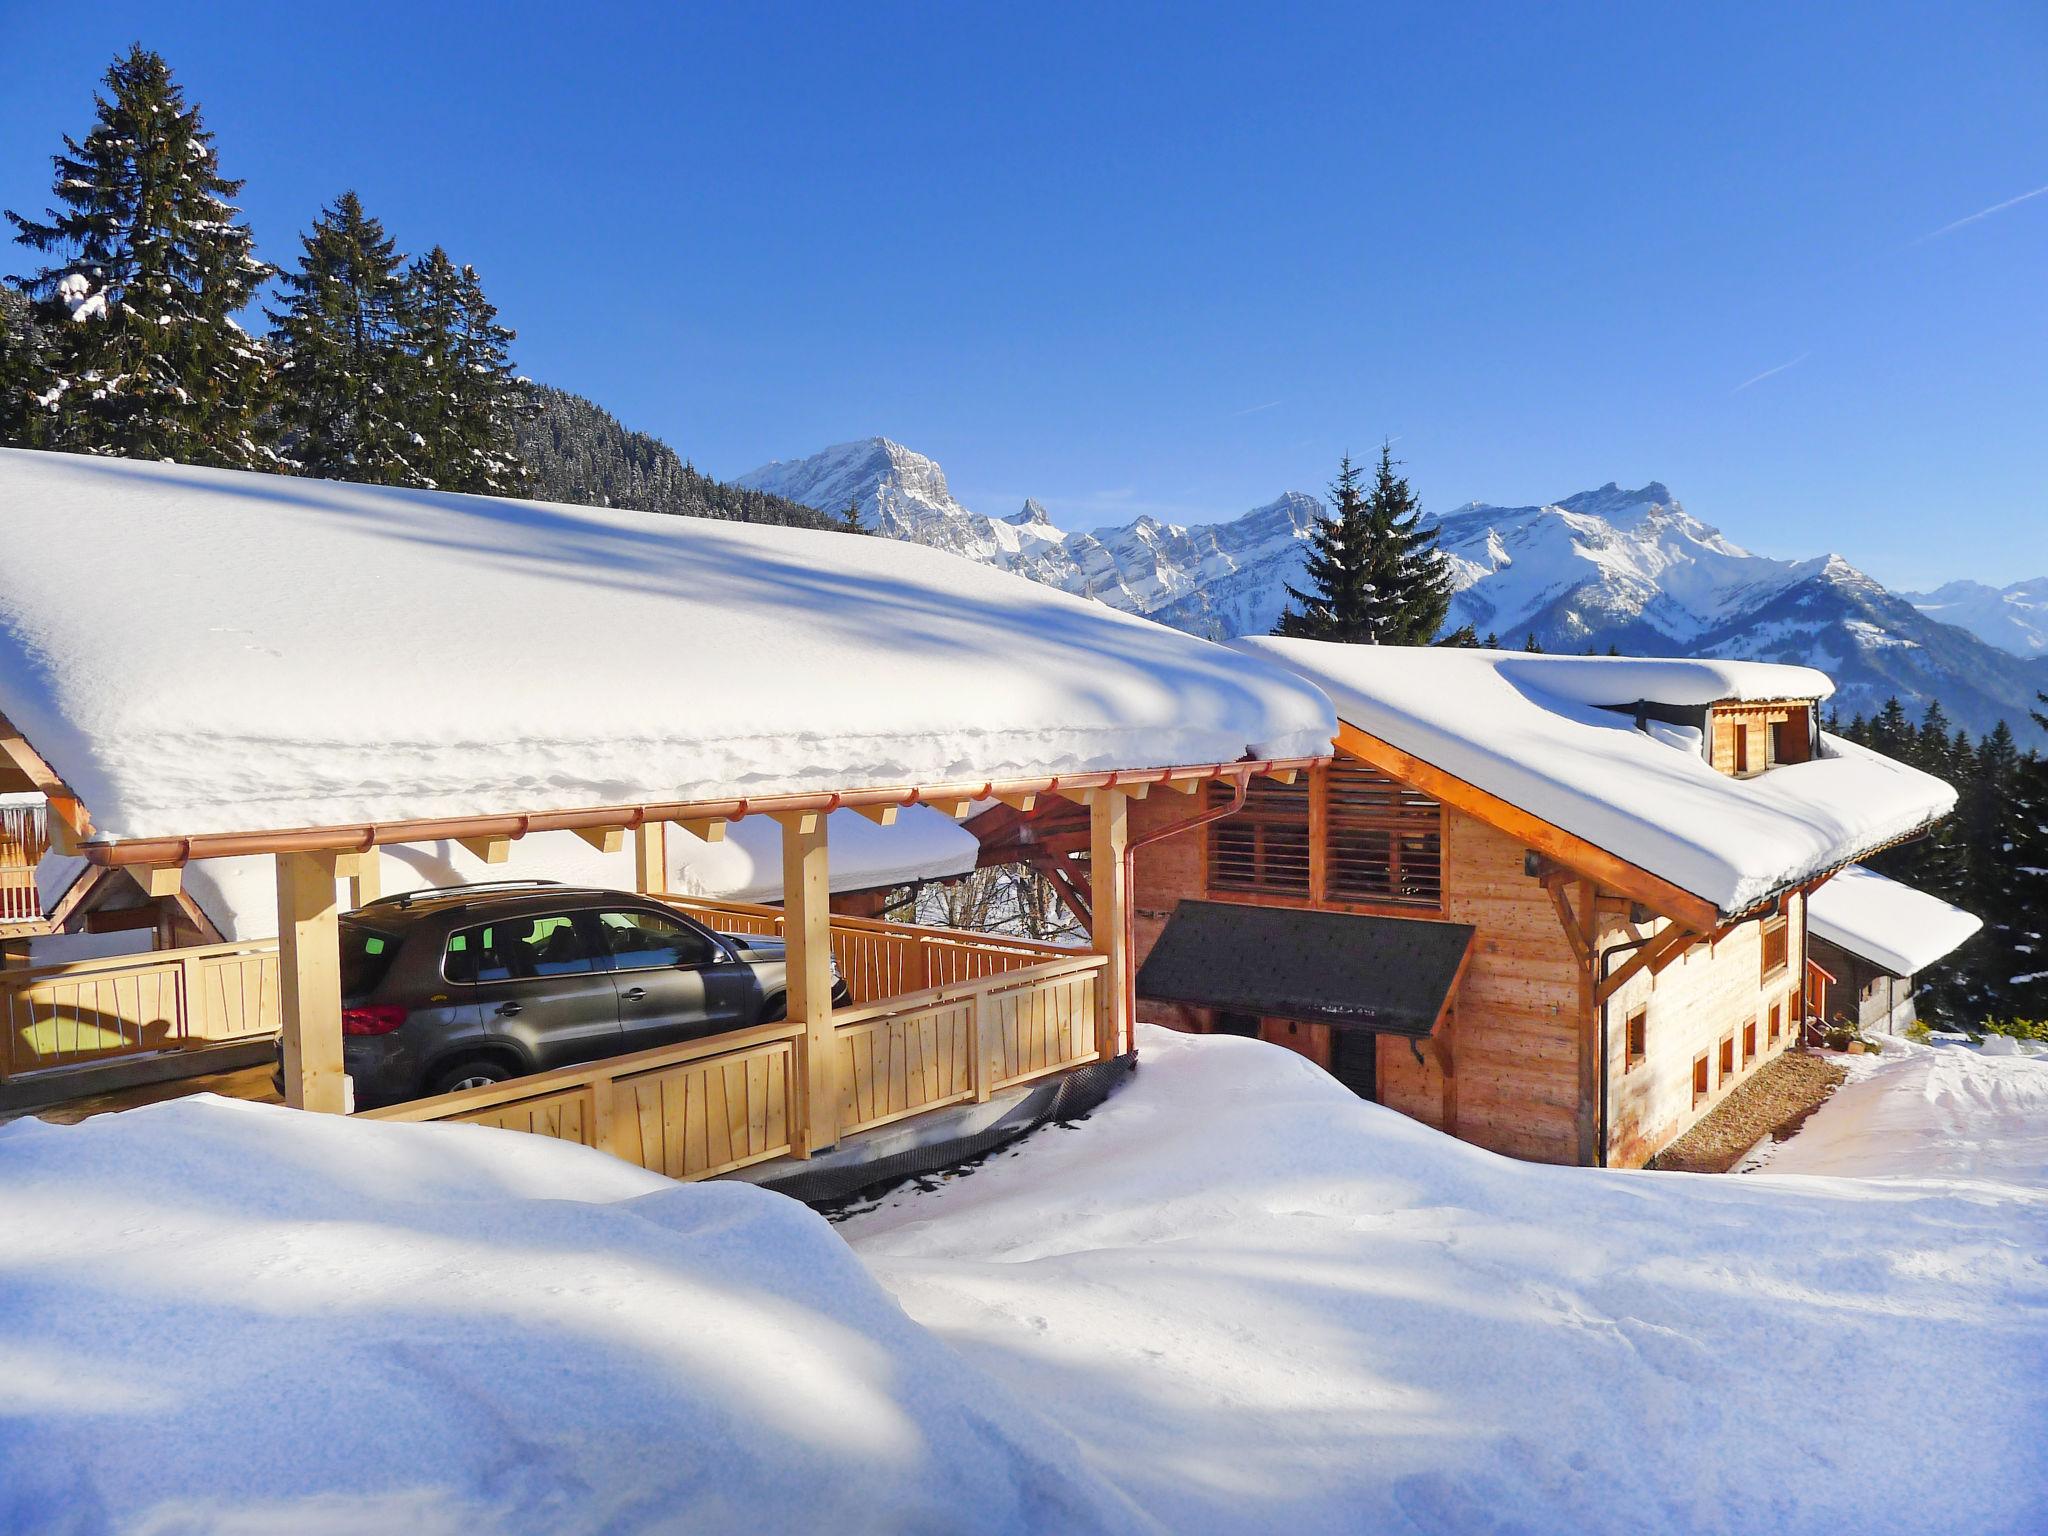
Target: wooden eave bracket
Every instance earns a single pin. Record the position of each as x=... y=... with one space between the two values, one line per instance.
x=1653 y=957
x=1569 y=920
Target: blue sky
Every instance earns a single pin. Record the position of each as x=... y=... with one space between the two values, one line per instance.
x=1134 y=259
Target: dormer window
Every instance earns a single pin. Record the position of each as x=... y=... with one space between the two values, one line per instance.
x=1746 y=739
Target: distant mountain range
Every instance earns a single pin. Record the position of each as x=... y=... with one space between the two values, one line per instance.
x=1629 y=568
x=2013 y=618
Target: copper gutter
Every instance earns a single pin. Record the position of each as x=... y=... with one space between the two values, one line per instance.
x=358 y=838
x=1241 y=782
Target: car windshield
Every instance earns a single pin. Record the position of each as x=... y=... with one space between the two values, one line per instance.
x=366 y=955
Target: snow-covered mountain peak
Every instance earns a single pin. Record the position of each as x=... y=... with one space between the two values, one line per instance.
x=1613 y=565
x=1613 y=504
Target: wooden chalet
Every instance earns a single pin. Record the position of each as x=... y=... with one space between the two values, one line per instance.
x=317 y=675
x=1554 y=906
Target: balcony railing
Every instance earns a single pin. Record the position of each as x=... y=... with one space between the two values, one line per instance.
x=130 y=1005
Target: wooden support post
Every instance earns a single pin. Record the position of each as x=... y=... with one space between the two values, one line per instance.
x=807 y=929
x=1109 y=832
x=365 y=876
x=650 y=857
x=309 y=981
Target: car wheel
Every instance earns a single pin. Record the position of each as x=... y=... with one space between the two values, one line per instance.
x=472 y=1072
x=776 y=1009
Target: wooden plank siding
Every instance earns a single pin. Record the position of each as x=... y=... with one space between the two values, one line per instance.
x=1515 y=1066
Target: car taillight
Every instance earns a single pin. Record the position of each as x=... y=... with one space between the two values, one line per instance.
x=377 y=1019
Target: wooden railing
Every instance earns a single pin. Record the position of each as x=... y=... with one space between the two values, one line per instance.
x=964 y=1041
x=939 y=1016
x=124 y=1005
x=19 y=900
x=689 y=1111
x=714 y=1105
x=880 y=959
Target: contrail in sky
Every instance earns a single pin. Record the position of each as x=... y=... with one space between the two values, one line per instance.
x=1982 y=213
x=1738 y=389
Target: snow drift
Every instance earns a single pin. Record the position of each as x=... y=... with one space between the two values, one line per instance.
x=224 y=1316
x=1265 y=1305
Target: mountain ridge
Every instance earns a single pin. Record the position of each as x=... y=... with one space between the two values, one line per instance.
x=1608 y=566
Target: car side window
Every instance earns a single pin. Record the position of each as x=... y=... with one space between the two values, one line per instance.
x=518 y=949
x=643 y=940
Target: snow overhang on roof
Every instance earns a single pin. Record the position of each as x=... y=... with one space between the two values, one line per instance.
x=1542 y=733
x=240 y=894
x=1895 y=927
x=207 y=651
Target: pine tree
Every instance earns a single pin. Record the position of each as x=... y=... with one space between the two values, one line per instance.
x=1377 y=576
x=850 y=519
x=1408 y=581
x=1464 y=637
x=1891 y=732
x=1530 y=644
x=1994 y=825
x=1335 y=606
x=342 y=360
x=143 y=356
x=24 y=366
x=460 y=396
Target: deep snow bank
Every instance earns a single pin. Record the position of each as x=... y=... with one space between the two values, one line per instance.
x=1266 y=1306
x=217 y=1315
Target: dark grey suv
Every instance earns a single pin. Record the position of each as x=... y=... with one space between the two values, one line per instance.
x=475 y=984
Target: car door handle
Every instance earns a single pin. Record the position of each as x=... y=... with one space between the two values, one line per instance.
x=507 y=1010
x=633 y=994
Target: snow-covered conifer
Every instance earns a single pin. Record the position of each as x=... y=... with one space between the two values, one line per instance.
x=463 y=397
x=141 y=355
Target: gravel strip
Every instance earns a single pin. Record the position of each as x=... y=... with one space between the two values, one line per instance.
x=1773 y=1102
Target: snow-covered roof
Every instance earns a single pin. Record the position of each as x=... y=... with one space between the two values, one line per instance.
x=200 y=650
x=240 y=894
x=1531 y=730
x=1893 y=926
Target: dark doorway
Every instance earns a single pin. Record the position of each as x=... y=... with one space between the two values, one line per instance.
x=1354 y=1062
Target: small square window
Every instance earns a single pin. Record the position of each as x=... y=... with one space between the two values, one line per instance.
x=1701 y=1087
x=1638 y=1039
x=1727 y=1057
x=1749 y=1042
x=1777 y=1021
